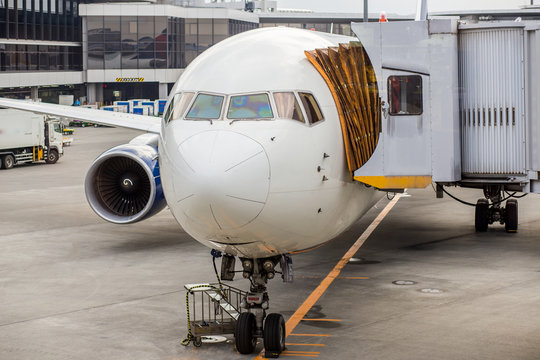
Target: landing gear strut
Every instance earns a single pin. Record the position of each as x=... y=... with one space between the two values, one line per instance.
x=486 y=214
x=253 y=323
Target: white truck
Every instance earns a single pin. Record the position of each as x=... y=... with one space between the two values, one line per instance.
x=28 y=137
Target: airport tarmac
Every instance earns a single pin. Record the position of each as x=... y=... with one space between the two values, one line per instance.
x=73 y=286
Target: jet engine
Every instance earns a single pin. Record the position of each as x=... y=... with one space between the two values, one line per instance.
x=123 y=184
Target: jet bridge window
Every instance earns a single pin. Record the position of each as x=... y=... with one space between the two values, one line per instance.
x=405 y=95
x=178 y=106
x=206 y=107
x=313 y=111
x=254 y=106
x=288 y=107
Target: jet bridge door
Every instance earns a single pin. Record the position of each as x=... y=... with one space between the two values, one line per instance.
x=406 y=126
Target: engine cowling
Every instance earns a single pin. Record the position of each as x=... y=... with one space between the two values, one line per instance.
x=123 y=184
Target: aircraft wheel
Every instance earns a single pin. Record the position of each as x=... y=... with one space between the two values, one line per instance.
x=243 y=333
x=274 y=335
x=481 y=215
x=52 y=157
x=197 y=341
x=511 y=216
x=8 y=161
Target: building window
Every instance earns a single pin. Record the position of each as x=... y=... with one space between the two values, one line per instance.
x=405 y=95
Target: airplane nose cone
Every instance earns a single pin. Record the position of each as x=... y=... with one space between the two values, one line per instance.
x=222 y=179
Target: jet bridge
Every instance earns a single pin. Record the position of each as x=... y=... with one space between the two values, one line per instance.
x=448 y=102
x=458 y=104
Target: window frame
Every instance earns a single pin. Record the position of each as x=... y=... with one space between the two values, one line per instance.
x=298 y=100
x=197 y=93
x=389 y=94
x=270 y=101
x=307 y=122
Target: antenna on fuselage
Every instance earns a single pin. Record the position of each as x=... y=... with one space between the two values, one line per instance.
x=421 y=11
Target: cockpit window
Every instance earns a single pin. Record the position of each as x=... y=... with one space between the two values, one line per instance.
x=255 y=106
x=168 y=112
x=206 y=106
x=313 y=111
x=181 y=105
x=287 y=106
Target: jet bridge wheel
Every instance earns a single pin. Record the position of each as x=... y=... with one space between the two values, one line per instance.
x=274 y=335
x=511 y=216
x=481 y=215
x=243 y=333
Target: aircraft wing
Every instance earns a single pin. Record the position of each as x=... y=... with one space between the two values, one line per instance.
x=150 y=124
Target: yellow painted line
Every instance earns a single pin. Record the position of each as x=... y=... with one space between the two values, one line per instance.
x=298 y=344
x=300 y=352
x=304 y=355
x=325 y=335
x=321 y=319
x=299 y=314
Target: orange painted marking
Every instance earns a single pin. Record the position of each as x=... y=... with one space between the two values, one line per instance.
x=300 y=352
x=309 y=335
x=321 y=319
x=297 y=344
x=299 y=314
x=304 y=355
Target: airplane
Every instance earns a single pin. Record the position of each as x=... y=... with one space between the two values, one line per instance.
x=249 y=157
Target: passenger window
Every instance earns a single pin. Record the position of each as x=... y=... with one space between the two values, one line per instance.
x=405 y=95
x=181 y=105
x=206 y=106
x=255 y=106
x=313 y=111
x=288 y=107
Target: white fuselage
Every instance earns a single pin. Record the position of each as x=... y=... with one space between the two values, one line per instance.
x=258 y=188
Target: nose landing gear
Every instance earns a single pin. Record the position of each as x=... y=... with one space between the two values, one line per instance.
x=486 y=214
x=253 y=323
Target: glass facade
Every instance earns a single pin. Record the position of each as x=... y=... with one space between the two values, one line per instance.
x=44 y=20
x=40 y=57
x=144 y=42
x=52 y=20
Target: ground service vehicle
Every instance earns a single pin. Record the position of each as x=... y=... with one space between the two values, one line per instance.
x=28 y=137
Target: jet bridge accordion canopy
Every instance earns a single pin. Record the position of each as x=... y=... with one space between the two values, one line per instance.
x=351 y=79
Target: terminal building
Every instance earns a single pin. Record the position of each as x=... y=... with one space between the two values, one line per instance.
x=101 y=52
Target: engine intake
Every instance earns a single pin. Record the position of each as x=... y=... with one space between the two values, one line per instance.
x=123 y=184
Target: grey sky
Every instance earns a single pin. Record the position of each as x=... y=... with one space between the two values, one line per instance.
x=401 y=6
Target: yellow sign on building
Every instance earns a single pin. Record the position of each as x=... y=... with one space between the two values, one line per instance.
x=129 y=79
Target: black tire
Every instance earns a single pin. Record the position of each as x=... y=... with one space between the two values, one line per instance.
x=481 y=215
x=8 y=161
x=274 y=333
x=197 y=341
x=511 y=216
x=243 y=333
x=52 y=157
